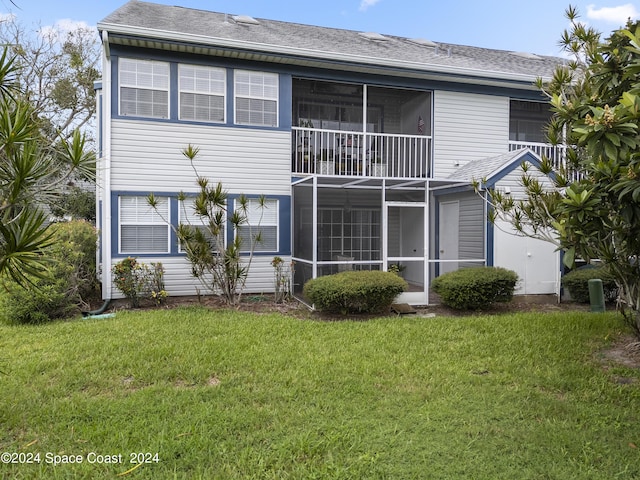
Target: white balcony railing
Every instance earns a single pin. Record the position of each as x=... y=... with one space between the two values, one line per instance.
x=557 y=155
x=342 y=153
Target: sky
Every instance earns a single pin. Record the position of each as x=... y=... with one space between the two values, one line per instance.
x=533 y=26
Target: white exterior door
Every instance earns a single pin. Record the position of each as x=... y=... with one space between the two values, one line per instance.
x=536 y=262
x=405 y=244
x=449 y=228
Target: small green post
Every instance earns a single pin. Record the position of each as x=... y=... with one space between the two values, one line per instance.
x=596 y=295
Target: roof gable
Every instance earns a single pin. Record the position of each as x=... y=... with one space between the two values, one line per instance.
x=492 y=170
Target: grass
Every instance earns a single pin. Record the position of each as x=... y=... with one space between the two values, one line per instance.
x=230 y=395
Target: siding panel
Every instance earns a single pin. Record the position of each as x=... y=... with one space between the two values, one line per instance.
x=178 y=280
x=468 y=127
x=471 y=223
x=146 y=156
x=513 y=181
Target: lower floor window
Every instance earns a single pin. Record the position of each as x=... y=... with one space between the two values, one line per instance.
x=143 y=228
x=353 y=234
x=261 y=226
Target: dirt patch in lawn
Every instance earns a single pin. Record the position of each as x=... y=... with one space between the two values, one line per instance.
x=624 y=351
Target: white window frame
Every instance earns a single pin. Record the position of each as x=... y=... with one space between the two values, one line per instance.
x=270 y=218
x=187 y=215
x=205 y=86
x=145 y=217
x=158 y=79
x=252 y=85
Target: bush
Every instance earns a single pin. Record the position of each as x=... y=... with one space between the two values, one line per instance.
x=577 y=282
x=81 y=236
x=473 y=288
x=137 y=280
x=355 y=291
x=70 y=283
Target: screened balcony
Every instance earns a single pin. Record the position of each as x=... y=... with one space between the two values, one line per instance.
x=358 y=130
x=528 y=123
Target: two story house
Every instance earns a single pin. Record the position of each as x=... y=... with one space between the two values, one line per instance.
x=364 y=144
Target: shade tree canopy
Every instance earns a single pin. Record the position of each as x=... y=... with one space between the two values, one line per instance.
x=594 y=210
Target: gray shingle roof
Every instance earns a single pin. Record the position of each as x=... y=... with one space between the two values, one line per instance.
x=487 y=168
x=314 y=42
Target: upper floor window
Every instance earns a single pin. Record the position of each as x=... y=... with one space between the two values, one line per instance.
x=528 y=121
x=144 y=88
x=202 y=93
x=256 y=98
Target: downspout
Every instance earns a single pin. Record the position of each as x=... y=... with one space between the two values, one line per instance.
x=106 y=174
x=99 y=311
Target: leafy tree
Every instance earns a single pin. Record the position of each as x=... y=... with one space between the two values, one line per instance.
x=76 y=203
x=596 y=104
x=56 y=75
x=68 y=285
x=57 y=72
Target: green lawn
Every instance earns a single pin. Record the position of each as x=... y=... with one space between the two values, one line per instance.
x=225 y=395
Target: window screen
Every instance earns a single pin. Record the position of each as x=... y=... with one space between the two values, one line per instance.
x=144 y=88
x=142 y=228
x=263 y=222
x=202 y=93
x=256 y=97
x=188 y=216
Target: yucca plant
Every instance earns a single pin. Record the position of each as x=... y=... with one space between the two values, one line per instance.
x=31 y=172
x=221 y=268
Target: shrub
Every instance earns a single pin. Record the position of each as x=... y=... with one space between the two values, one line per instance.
x=355 y=291
x=473 y=288
x=70 y=283
x=577 y=282
x=137 y=280
x=282 y=279
x=82 y=237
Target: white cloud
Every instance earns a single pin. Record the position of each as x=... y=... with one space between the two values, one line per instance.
x=63 y=27
x=365 y=4
x=7 y=17
x=618 y=15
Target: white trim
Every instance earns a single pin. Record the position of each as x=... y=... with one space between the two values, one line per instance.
x=106 y=174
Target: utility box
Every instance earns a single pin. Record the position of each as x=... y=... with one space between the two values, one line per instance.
x=596 y=295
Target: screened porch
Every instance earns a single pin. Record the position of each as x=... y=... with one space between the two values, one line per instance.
x=377 y=224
